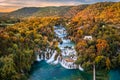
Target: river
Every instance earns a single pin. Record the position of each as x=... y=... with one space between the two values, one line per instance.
x=42 y=70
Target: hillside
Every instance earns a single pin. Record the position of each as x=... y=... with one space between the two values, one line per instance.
x=87 y=13
x=2 y=14
x=111 y=14
x=105 y=11
x=62 y=11
x=93 y=17
x=39 y=11
x=74 y=10
x=52 y=11
x=24 y=12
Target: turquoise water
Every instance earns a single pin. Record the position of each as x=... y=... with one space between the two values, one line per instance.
x=114 y=75
x=43 y=71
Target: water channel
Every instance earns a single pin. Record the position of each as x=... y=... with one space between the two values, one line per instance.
x=63 y=69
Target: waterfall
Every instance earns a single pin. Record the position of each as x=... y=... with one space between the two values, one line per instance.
x=80 y=68
x=45 y=56
x=67 y=50
x=57 y=61
x=67 y=65
x=38 y=58
x=52 y=58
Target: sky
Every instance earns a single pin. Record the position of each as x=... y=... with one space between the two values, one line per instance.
x=11 y=5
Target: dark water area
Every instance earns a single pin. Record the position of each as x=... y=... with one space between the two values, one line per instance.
x=44 y=71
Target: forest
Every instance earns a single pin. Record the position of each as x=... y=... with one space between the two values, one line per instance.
x=18 y=42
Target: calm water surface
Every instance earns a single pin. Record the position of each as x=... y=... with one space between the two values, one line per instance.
x=44 y=71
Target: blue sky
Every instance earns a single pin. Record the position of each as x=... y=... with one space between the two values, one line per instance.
x=10 y=5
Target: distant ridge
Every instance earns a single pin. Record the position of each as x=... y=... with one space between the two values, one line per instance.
x=80 y=11
x=24 y=12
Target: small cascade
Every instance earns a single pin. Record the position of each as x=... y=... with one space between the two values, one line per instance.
x=52 y=58
x=38 y=58
x=80 y=68
x=45 y=56
x=49 y=55
x=57 y=60
x=68 y=65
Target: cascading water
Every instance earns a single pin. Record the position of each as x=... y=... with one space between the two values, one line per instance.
x=37 y=57
x=44 y=69
x=52 y=58
x=67 y=50
x=61 y=68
